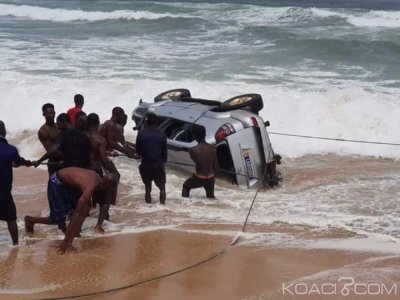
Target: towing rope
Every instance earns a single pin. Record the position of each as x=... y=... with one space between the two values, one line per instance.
x=334 y=139
x=234 y=241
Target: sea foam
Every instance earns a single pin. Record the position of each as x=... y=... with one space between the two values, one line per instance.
x=65 y=15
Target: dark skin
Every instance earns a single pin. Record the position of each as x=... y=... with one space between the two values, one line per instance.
x=205 y=157
x=98 y=161
x=12 y=225
x=112 y=131
x=87 y=182
x=49 y=131
x=53 y=149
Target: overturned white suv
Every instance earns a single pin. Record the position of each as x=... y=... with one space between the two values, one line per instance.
x=244 y=151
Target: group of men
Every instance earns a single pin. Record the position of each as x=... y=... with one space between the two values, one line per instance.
x=80 y=173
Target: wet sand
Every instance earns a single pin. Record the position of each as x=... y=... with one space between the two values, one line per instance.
x=145 y=263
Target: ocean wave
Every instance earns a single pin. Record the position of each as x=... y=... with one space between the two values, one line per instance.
x=389 y=19
x=65 y=15
x=264 y=16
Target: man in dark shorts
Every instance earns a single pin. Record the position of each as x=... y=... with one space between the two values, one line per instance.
x=65 y=186
x=8 y=156
x=205 y=157
x=151 y=145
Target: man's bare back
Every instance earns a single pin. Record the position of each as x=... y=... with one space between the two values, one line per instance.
x=204 y=155
x=98 y=154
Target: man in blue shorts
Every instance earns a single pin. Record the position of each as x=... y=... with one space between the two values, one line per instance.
x=71 y=189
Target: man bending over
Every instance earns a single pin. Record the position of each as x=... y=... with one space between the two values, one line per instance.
x=68 y=189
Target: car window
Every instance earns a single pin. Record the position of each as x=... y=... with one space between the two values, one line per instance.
x=177 y=130
x=186 y=134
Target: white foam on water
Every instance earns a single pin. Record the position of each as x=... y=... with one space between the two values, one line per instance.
x=65 y=15
x=370 y=244
x=351 y=113
x=370 y=18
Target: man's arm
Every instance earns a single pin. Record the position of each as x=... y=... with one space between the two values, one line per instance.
x=164 y=151
x=139 y=143
x=113 y=137
x=78 y=217
x=53 y=151
x=20 y=161
x=106 y=163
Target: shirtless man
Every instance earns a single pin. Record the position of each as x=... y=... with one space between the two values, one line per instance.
x=205 y=157
x=48 y=134
x=121 y=136
x=82 y=182
x=98 y=163
x=111 y=131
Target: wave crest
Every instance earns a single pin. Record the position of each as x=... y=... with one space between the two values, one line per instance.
x=65 y=15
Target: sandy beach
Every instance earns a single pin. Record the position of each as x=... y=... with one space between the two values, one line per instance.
x=188 y=261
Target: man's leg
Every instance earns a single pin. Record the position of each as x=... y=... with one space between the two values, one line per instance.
x=147 y=195
x=190 y=183
x=102 y=216
x=209 y=187
x=103 y=198
x=146 y=178
x=162 y=195
x=31 y=221
x=13 y=229
x=160 y=180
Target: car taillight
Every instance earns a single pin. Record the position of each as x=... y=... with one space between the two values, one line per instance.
x=224 y=131
x=254 y=121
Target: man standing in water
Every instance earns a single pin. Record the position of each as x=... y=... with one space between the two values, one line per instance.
x=8 y=156
x=48 y=134
x=72 y=112
x=98 y=163
x=111 y=131
x=205 y=157
x=151 y=145
x=61 y=199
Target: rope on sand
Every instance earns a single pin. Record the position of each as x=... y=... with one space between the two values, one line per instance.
x=234 y=241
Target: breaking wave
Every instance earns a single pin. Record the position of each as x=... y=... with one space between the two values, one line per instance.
x=65 y=15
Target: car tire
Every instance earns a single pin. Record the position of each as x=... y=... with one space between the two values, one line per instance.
x=253 y=101
x=174 y=95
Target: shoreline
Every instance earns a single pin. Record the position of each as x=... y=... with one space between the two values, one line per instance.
x=245 y=271
x=150 y=261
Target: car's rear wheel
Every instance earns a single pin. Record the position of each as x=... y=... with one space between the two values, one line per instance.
x=174 y=95
x=253 y=101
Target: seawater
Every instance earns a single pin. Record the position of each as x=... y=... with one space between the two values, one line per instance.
x=323 y=68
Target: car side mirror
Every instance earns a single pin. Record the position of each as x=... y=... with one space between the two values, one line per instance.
x=267 y=124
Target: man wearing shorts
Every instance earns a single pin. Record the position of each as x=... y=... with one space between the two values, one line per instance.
x=205 y=157
x=151 y=145
x=8 y=156
x=65 y=185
